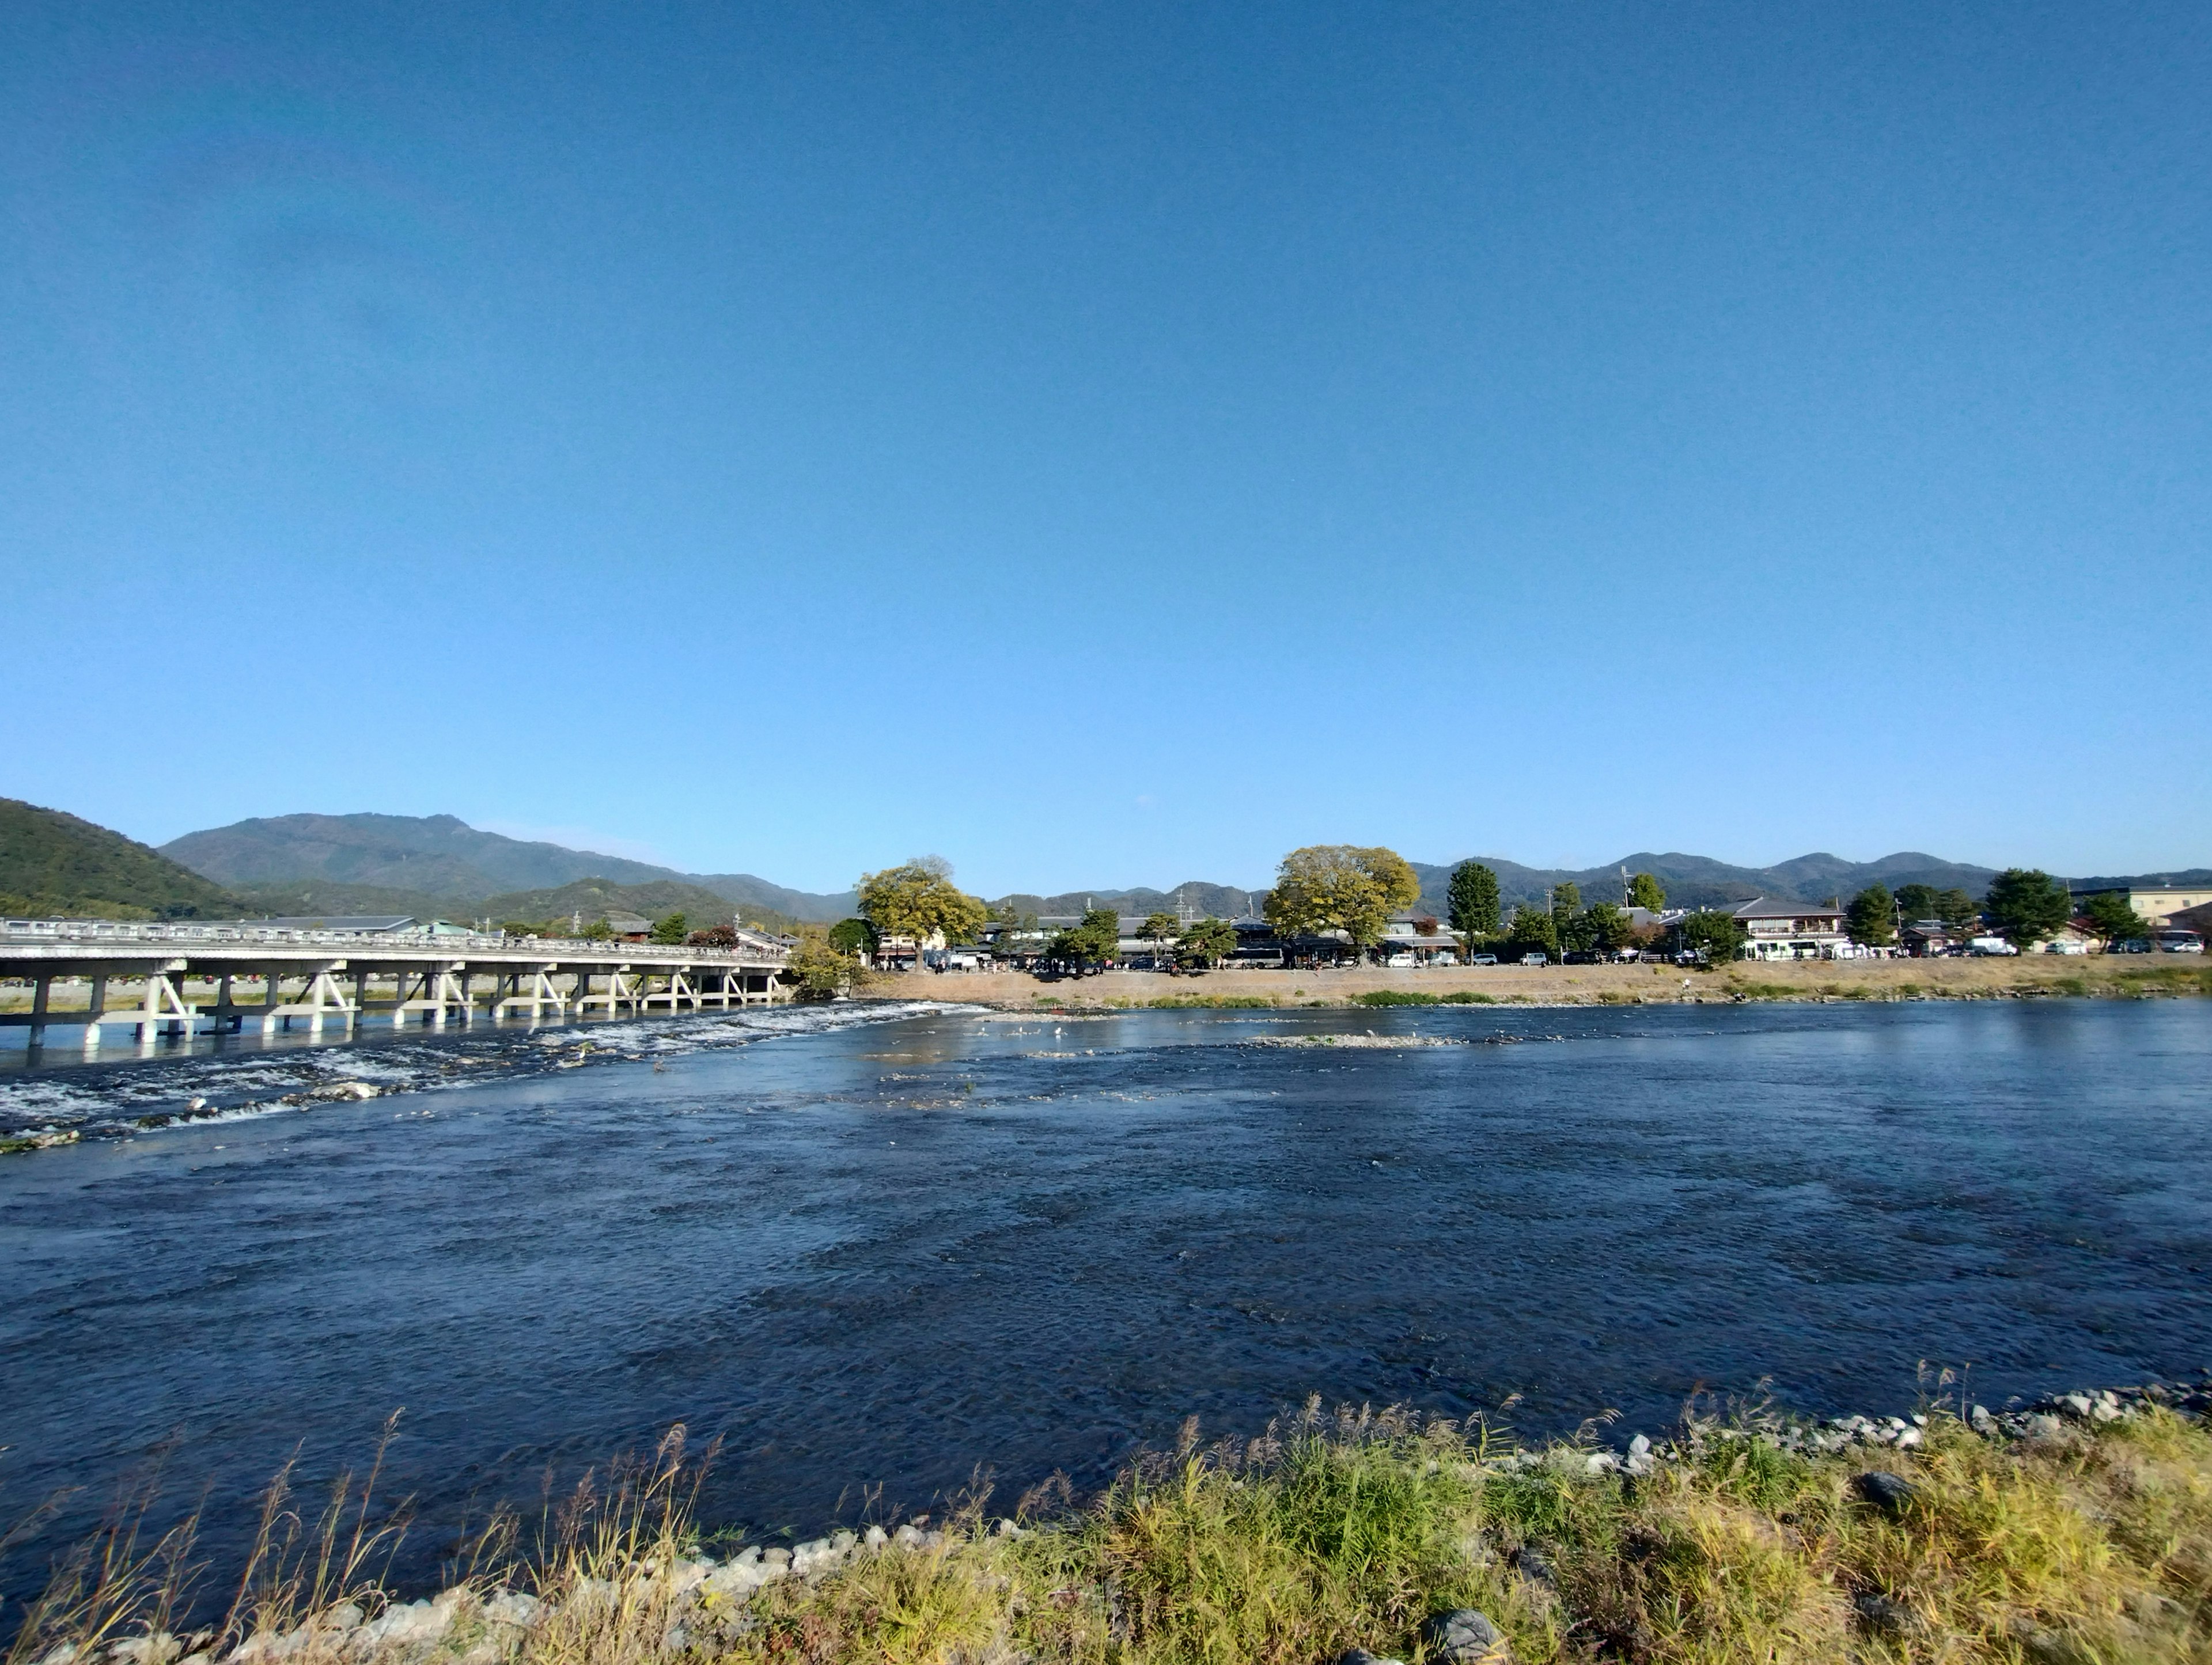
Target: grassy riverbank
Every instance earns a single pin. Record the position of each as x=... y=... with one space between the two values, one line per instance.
x=2079 y=1537
x=2035 y=976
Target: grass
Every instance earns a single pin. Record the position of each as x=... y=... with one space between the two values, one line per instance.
x=2090 y=1547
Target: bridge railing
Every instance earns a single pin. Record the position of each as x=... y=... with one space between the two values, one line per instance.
x=186 y=933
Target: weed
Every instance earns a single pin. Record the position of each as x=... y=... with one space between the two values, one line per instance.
x=1395 y=997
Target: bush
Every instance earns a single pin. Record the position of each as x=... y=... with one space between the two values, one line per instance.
x=1396 y=997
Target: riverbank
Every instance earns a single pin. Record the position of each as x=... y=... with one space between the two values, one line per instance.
x=2029 y=976
x=2075 y=1530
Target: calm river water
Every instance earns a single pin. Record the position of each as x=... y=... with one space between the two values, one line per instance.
x=881 y=1254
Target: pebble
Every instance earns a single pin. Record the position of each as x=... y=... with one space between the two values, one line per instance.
x=1466 y=1636
x=1888 y=1493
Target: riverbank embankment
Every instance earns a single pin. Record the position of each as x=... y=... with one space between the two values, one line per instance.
x=2075 y=1530
x=2028 y=976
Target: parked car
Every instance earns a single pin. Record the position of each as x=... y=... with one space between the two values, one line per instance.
x=1988 y=947
x=1535 y=959
x=2067 y=946
x=2175 y=941
x=1482 y=959
x=1580 y=956
x=2131 y=945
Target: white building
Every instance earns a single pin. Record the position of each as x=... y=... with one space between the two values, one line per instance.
x=1792 y=930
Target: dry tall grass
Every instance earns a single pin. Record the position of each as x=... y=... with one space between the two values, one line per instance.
x=2088 y=1545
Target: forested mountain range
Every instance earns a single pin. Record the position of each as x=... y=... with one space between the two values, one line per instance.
x=439 y=864
x=53 y=863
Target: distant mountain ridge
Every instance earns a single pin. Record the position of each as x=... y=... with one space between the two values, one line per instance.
x=54 y=865
x=439 y=863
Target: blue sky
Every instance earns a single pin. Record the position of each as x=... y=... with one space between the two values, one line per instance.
x=1115 y=444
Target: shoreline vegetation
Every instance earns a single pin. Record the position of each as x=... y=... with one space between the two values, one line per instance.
x=2076 y=1530
x=2027 y=977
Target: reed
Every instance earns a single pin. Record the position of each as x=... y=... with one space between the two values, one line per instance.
x=2083 y=1545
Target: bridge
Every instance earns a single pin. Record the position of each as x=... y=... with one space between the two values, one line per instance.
x=316 y=976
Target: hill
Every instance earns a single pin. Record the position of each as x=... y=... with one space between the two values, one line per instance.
x=1698 y=881
x=439 y=864
x=54 y=865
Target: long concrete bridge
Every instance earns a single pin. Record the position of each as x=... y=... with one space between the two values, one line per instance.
x=317 y=977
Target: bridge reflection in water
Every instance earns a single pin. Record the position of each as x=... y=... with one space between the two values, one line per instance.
x=331 y=977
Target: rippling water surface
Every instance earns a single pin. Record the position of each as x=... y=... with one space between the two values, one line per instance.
x=882 y=1253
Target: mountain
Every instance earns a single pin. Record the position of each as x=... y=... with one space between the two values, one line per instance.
x=54 y=865
x=1698 y=881
x=1222 y=900
x=439 y=864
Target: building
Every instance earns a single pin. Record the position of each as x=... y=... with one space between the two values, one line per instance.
x=374 y=924
x=1415 y=939
x=2157 y=904
x=1791 y=929
x=630 y=927
x=1929 y=939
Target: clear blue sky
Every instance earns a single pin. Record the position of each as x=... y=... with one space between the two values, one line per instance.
x=1115 y=444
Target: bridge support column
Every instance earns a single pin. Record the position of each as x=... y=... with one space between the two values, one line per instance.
x=40 y=990
x=164 y=1009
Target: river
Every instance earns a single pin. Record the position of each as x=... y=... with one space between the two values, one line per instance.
x=879 y=1250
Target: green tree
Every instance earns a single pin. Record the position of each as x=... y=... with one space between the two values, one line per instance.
x=1957 y=910
x=1602 y=926
x=1533 y=931
x=1159 y=928
x=1206 y=942
x=1917 y=902
x=1873 y=916
x=917 y=900
x=1719 y=935
x=2027 y=905
x=1472 y=902
x=853 y=936
x=2112 y=917
x=1645 y=891
x=821 y=971
x=671 y=930
x=1093 y=942
x=1350 y=888
x=598 y=931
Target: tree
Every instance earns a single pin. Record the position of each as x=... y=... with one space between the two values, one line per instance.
x=1565 y=898
x=1602 y=928
x=919 y=900
x=714 y=936
x=1206 y=942
x=2113 y=918
x=1472 y=902
x=2027 y=905
x=1957 y=910
x=1717 y=934
x=598 y=931
x=1645 y=891
x=853 y=936
x=1094 y=942
x=1917 y=902
x=1533 y=931
x=671 y=930
x=824 y=972
x=1158 y=927
x=1873 y=916
x=1350 y=888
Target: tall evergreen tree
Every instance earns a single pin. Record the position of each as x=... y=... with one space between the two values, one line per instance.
x=1873 y=916
x=1473 y=900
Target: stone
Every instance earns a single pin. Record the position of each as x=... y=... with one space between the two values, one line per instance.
x=1888 y=1493
x=1909 y=1436
x=908 y=1535
x=1640 y=1446
x=2077 y=1403
x=1881 y=1616
x=2043 y=1425
x=1466 y=1636
x=1531 y=1564
x=1599 y=1462
x=1361 y=1656
x=514 y=1606
x=876 y=1538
